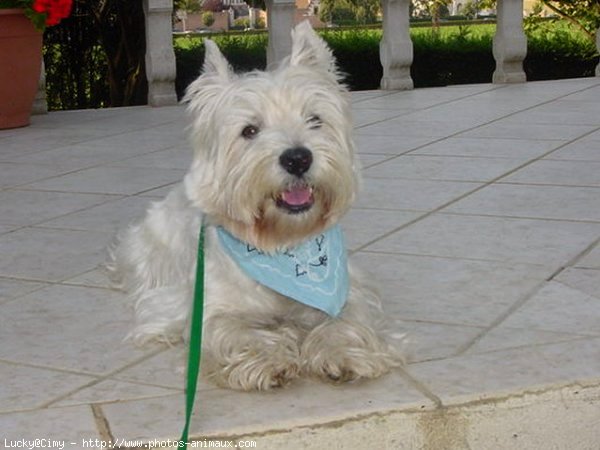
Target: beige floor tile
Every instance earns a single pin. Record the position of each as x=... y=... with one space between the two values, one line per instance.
x=477 y=377
x=562 y=173
x=110 y=180
x=64 y=426
x=424 y=341
x=50 y=255
x=560 y=308
x=551 y=243
x=545 y=202
x=507 y=338
x=65 y=327
x=25 y=387
x=20 y=207
x=581 y=150
x=489 y=148
x=418 y=195
x=363 y=225
x=451 y=291
x=224 y=412
x=590 y=260
x=584 y=280
x=166 y=369
x=11 y=288
x=12 y=174
x=179 y=157
x=526 y=130
x=113 y=391
x=388 y=145
x=444 y=168
x=108 y=217
x=96 y=278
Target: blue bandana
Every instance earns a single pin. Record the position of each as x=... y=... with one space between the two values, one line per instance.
x=314 y=273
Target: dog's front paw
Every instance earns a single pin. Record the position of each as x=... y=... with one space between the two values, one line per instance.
x=340 y=351
x=258 y=370
x=263 y=371
x=259 y=359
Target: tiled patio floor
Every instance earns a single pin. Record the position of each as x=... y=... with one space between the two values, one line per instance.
x=479 y=216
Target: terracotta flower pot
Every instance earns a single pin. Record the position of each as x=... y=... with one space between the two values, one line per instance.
x=20 y=65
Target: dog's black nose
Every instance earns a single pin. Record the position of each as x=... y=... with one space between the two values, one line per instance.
x=296 y=160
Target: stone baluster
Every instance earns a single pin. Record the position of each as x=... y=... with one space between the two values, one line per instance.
x=396 y=48
x=598 y=47
x=280 y=21
x=40 y=105
x=160 y=57
x=510 y=43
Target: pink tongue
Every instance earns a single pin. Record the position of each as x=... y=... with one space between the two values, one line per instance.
x=296 y=196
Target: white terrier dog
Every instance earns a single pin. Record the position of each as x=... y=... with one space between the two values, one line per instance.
x=273 y=171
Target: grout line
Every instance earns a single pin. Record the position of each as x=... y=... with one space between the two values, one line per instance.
x=562 y=340
x=477 y=189
x=419 y=386
x=450 y=156
x=519 y=303
x=44 y=285
x=24 y=188
x=497 y=216
x=84 y=168
x=523 y=183
x=375 y=96
x=499 y=319
x=49 y=368
x=101 y=378
x=88 y=139
x=102 y=424
x=450 y=257
x=406 y=113
x=59 y=281
x=574 y=260
x=458 y=133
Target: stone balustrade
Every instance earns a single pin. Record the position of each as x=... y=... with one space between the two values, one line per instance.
x=160 y=57
x=598 y=47
x=510 y=43
x=396 y=49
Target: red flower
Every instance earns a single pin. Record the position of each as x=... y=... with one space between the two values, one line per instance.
x=55 y=10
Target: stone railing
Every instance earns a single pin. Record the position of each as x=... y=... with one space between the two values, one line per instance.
x=160 y=57
x=396 y=52
x=396 y=49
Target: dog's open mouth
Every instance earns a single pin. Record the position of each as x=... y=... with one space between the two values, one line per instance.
x=296 y=199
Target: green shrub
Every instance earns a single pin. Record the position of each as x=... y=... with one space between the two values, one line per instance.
x=450 y=55
x=245 y=52
x=357 y=54
x=556 y=51
x=260 y=23
x=208 y=18
x=241 y=23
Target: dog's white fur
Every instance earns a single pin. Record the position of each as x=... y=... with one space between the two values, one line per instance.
x=255 y=338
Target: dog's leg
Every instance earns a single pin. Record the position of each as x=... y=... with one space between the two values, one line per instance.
x=348 y=347
x=248 y=355
x=153 y=261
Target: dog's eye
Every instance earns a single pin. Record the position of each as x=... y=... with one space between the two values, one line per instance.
x=250 y=132
x=314 y=122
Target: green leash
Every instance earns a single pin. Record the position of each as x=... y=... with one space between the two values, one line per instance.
x=195 y=341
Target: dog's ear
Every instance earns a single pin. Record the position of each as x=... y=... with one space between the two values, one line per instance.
x=308 y=49
x=215 y=63
x=216 y=72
